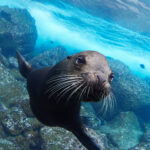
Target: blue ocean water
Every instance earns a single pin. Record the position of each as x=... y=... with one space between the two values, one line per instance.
x=77 y=30
x=62 y=25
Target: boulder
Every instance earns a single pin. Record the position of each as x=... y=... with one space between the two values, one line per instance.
x=60 y=139
x=17 y=31
x=145 y=140
x=6 y=144
x=49 y=58
x=123 y=131
x=20 y=142
x=89 y=118
x=10 y=89
x=130 y=92
x=15 y=121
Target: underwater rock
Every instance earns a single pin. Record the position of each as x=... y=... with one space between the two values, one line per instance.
x=20 y=142
x=88 y=117
x=60 y=139
x=15 y=121
x=36 y=125
x=7 y=145
x=131 y=92
x=18 y=129
x=2 y=133
x=3 y=59
x=13 y=62
x=145 y=140
x=123 y=131
x=11 y=90
x=49 y=58
x=33 y=139
x=17 y=31
x=147 y=79
x=25 y=104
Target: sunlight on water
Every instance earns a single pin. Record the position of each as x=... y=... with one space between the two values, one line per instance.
x=76 y=31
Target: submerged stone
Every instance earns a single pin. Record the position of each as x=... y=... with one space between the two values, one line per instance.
x=49 y=58
x=25 y=104
x=20 y=142
x=124 y=131
x=131 y=92
x=7 y=145
x=33 y=139
x=15 y=122
x=61 y=139
x=11 y=90
x=17 y=31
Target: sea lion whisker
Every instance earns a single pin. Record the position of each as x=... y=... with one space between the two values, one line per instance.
x=60 y=83
x=88 y=91
x=108 y=104
x=85 y=90
x=74 y=91
x=64 y=81
x=58 y=87
x=80 y=96
x=63 y=75
x=60 y=77
x=103 y=105
x=64 y=78
x=113 y=99
x=66 y=90
x=104 y=109
x=54 y=86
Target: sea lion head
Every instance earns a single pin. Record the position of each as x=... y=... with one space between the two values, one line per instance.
x=86 y=76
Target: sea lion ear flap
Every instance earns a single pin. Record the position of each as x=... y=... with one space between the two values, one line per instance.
x=69 y=57
x=24 y=67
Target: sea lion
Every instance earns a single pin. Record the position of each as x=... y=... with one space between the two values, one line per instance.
x=56 y=93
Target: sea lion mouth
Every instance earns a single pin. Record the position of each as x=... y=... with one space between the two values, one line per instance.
x=97 y=86
x=67 y=87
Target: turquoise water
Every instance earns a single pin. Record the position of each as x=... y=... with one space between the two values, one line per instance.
x=122 y=120
x=77 y=31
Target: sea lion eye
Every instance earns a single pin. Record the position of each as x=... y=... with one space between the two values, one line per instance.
x=111 y=76
x=80 y=60
x=69 y=57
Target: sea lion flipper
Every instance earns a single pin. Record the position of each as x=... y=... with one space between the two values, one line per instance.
x=85 y=139
x=24 y=67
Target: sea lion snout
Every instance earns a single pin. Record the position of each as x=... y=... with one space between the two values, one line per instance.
x=90 y=78
x=97 y=81
x=94 y=78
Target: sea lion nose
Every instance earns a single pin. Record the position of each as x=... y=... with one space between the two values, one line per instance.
x=101 y=80
x=91 y=78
